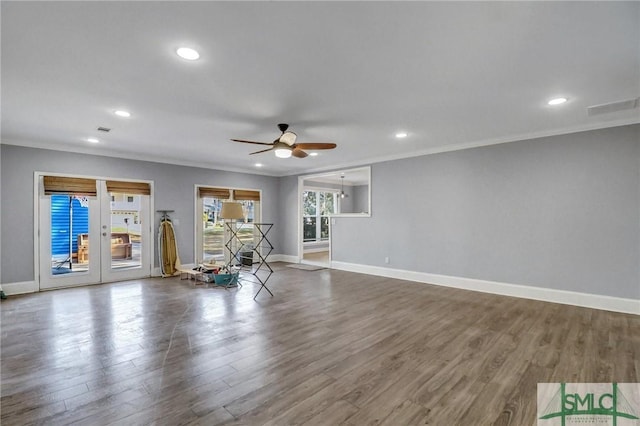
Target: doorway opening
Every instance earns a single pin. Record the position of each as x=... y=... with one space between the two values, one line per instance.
x=322 y=198
x=318 y=204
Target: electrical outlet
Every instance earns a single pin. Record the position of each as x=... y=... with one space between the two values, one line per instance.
x=386 y=259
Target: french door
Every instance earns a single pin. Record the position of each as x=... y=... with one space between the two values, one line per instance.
x=92 y=231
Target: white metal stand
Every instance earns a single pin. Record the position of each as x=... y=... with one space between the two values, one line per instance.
x=262 y=249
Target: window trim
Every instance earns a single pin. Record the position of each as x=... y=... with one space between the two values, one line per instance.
x=198 y=209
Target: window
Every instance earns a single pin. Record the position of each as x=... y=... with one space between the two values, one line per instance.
x=318 y=205
x=212 y=226
x=211 y=235
x=129 y=199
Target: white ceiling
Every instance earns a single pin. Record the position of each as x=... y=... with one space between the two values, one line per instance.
x=452 y=75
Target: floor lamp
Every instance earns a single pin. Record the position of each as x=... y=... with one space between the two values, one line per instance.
x=230 y=212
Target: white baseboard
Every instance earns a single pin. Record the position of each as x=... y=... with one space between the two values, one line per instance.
x=587 y=300
x=607 y=303
x=20 y=288
x=283 y=258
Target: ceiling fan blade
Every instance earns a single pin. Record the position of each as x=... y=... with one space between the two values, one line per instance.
x=260 y=152
x=253 y=142
x=315 y=145
x=297 y=152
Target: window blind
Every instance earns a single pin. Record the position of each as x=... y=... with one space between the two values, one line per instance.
x=133 y=188
x=241 y=194
x=69 y=185
x=222 y=193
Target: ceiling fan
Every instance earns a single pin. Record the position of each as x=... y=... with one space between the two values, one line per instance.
x=285 y=146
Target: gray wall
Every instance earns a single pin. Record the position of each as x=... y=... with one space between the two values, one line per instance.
x=173 y=190
x=315 y=184
x=287 y=222
x=561 y=212
x=360 y=195
x=346 y=204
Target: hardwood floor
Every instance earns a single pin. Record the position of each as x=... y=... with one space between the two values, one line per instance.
x=330 y=348
x=321 y=256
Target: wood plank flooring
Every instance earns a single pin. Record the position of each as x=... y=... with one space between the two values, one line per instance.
x=330 y=348
x=321 y=257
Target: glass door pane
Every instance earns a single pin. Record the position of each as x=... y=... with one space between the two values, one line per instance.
x=67 y=224
x=213 y=233
x=69 y=234
x=125 y=235
x=125 y=230
x=247 y=234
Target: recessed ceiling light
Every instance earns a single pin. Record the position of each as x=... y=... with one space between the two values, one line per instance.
x=121 y=113
x=188 y=53
x=557 y=101
x=401 y=135
x=313 y=154
x=93 y=140
x=258 y=164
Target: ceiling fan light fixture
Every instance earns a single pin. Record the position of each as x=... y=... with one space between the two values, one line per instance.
x=288 y=137
x=283 y=152
x=342 y=194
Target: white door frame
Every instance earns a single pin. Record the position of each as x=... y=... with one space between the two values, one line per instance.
x=36 y=223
